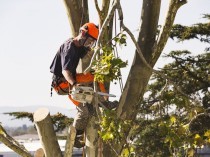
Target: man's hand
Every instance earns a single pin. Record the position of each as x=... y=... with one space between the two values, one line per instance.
x=72 y=87
x=69 y=77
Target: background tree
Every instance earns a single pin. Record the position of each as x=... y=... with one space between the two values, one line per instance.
x=59 y=120
x=175 y=115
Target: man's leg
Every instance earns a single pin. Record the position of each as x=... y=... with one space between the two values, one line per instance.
x=80 y=123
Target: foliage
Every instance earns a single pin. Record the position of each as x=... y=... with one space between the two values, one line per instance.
x=21 y=115
x=175 y=112
x=148 y=138
x=107 y=67
x=199 y=31
x=174 y=117
x=60 y=121
x=114 y=130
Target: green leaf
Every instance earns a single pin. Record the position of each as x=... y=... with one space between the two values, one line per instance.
x=173 y=119
x=108 y=136
x=207 y=133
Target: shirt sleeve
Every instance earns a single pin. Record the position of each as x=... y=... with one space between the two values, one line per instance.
x=66 y=58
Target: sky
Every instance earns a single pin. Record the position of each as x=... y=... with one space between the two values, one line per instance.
x=31 y=31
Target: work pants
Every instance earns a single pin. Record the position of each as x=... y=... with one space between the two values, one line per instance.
x=82 y=117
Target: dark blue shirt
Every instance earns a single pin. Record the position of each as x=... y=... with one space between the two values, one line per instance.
x=67 y=58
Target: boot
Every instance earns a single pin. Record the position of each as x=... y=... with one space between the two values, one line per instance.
x=79 y=142
x=79 y=139
x=91 y=109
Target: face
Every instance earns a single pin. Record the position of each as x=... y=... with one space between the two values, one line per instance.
x=86 y=40
x=89 y=42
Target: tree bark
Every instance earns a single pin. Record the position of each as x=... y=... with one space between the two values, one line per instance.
x=44 y=125
x=77 y=12
x=70 y=141
x=91 y=138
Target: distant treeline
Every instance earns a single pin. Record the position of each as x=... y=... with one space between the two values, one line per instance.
x=21 y=130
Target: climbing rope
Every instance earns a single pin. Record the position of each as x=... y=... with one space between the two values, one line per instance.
x=116 y=53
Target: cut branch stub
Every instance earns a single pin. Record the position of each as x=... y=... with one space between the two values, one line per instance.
x=39 y=153
x=44 y=125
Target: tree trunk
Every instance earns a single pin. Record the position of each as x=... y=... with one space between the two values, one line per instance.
x=44 y=125
x=77 y=12
x=139 y=74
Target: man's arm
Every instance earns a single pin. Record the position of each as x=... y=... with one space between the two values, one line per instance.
x=69 y=77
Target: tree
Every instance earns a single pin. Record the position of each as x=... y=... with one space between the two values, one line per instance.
x=149 y=47
x=175 y=111
x=175 y=114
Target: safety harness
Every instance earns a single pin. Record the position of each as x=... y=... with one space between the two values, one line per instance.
x=60 y=85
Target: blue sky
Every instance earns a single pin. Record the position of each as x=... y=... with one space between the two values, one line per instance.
x=31 y=32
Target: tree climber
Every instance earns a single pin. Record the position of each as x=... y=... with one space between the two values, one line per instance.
x=65 y=78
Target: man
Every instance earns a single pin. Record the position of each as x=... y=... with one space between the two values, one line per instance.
x=64 y=67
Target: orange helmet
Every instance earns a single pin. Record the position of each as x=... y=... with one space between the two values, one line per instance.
x=91 y=30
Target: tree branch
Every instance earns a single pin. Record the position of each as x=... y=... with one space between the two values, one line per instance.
x=13 y=144
x=132 y=37
x=101 y=32
x=105 y=6
x=97 y=7
x=177 y=87
x=165 y=31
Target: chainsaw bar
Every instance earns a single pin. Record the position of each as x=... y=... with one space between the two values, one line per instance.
x=105 y=94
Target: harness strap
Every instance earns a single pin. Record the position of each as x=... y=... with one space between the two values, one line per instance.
x=56 y=81
x=51 y=89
